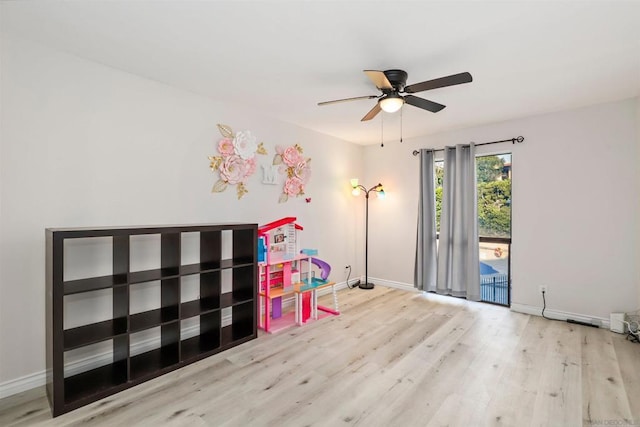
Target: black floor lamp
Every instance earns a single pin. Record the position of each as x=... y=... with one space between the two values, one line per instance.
x=356 y=191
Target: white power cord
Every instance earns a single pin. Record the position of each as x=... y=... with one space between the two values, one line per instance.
x=632 y=322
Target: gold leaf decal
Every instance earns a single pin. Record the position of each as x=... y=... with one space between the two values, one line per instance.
x=215 y=162
x=261 y=149
x=277 y=159
x=299 y=148
x=241 y=190
x=225 y=131
x=283 y=198
x=219 y=186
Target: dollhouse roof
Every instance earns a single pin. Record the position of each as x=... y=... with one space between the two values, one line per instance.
x=279 y=223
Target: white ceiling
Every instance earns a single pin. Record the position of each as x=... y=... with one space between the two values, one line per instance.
x=281 y=58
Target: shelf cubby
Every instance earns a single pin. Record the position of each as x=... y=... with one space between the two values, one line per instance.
x=146 y=364
x=166 y=292
x=89 y=334
x=242 y=323
x=230 y=299
x=207 y=341
x=95 y=381
x=200 y=306
x=144 y=299
x=241 y=289
x=155 y=274
x=94 y=284
x=167 y=352
x=149 y=319
x=198 y=268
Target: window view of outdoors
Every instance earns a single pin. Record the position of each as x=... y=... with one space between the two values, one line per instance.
x=494 y=223
x=494 y=195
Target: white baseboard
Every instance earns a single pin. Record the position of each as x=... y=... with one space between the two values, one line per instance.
x=82 y=364
x=520 y=308
x=560 y=315
x=392 y=284
x=18 y=385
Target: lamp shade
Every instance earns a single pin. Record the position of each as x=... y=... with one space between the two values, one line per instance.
x=354 y=184
x=391 y=103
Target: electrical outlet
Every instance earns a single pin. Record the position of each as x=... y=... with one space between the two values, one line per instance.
x=542 y=288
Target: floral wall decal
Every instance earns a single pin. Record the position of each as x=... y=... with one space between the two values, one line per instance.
x=236 y=160
x=295 y=167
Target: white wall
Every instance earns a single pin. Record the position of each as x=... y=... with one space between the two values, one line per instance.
x=87 y=145
x=638 y=198
x=575 y=207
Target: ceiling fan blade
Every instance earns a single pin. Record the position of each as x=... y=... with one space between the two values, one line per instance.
x=372 y=113
x=451 y=80
x=379 y=79
x=336 y=101
x=425 y=104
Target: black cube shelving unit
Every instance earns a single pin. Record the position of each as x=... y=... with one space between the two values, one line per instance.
x=173 y=349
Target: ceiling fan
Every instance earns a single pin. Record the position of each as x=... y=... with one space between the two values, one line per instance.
x=395 y=93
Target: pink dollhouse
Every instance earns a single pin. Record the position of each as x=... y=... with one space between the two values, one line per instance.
x=281 y=275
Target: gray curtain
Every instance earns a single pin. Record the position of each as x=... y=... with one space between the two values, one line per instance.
x=458 y=259
x=426 y=253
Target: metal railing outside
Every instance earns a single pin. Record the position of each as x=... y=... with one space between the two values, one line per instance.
x=495 y=270
x=495 y=289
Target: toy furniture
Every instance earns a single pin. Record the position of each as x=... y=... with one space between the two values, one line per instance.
x=282 y=275
x=306 y=301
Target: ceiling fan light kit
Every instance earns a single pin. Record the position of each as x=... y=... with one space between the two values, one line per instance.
x=391 y=103
x=392 y=84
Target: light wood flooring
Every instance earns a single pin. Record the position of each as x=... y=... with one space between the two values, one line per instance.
x=393 y=358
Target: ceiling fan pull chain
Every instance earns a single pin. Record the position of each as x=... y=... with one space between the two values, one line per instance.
x=382 y=130
x=401 y=125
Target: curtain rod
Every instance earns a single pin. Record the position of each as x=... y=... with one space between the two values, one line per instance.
x=519 y=139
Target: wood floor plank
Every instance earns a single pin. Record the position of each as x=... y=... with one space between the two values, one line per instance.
x=392 y=358
x=628 y=355
x=560 y=387
x=604 y=395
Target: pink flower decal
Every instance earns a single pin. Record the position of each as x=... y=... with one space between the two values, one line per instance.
x=233 y=170
x=302 y=170
x=291 y=156
x=250 y=167
x=295 y=167
x=225 y=147
x=293 y=187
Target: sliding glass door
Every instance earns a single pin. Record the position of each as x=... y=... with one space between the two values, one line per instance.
x=494 y=225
